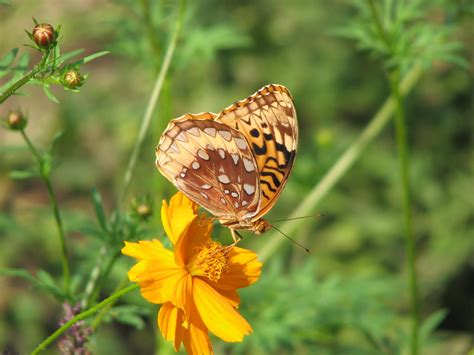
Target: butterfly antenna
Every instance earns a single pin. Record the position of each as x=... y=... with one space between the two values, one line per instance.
x=291 y=239
x=291 y=219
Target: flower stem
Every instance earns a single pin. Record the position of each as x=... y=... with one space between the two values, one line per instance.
x=410 y=247
x=82 y=316
x=375 y=126
x=54 y=204
x=25 y=78
x=152 y=102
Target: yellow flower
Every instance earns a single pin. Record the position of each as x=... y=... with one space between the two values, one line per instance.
x=197 y=282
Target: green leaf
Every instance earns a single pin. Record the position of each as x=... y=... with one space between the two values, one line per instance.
x=129 y=314
x=22 y=174
x=66 y=56
x=99 y=209
x=432 y=322
x=46 y=282
x=20 y=70
x=22 y=66
x=43 y=280
x=49 y=94
x=22 y=273
x=55 y=141
x=6 y=61
x=130 y=319
x=90 y=58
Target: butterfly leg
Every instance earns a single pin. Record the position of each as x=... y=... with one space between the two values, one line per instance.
x=235 y=236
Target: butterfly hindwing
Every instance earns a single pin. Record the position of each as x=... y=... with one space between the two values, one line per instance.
x=212 y=164
x=267 y=119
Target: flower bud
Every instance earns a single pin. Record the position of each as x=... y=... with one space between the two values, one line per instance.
x=141 y=208
x=72 y=79
x=44 y=35
x=16 y=121
x=144 y=210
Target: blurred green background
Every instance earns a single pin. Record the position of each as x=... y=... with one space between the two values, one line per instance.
x=349 y=295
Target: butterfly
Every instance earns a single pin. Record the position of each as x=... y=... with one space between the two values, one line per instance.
x=235 y=163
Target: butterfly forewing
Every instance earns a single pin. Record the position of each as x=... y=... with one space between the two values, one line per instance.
x=212 y=164
x=267 y=119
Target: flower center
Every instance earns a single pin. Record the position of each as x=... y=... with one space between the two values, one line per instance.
x=209 y=260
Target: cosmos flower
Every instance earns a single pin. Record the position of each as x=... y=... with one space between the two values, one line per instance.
x=197 y=282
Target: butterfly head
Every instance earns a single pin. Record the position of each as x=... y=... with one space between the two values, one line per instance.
x=261 y=226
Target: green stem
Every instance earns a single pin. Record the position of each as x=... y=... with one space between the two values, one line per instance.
x=82 y=316
x=410 y=246
x=57 y=215
x=150 y=30
x=152 y=102
x=25 y=78
x=375 y=126
x=402 y=147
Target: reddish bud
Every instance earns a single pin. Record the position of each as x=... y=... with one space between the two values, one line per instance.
x=16 y=121
x=44 y=35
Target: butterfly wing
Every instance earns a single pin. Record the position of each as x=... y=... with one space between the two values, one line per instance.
x=212 y=164
x=267 y=120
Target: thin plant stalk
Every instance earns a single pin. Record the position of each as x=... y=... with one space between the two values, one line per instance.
x=410 y=247
x=82 y=316
x=337 y=171
x=152 y=102
x=402 y=147
x=57 y=215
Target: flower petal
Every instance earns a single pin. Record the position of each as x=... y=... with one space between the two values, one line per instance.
x=244 y=270
x=177 y=216
x=198 y=233
x=146 y=249
x=218 y=314
x=178 y=290
x=169 y=322
x=151 y=279
x=196 y=338
x=156 y=265
x=231 y=296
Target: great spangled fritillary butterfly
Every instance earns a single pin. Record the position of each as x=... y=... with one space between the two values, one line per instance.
x=235 y=163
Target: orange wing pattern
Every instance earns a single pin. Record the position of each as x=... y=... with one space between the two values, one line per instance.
x=267 y=119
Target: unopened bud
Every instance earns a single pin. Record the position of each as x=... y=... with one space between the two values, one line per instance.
x=141 y=208
x=16 y=121
x=72 y=79
x=144 y=210
x=44 y=35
